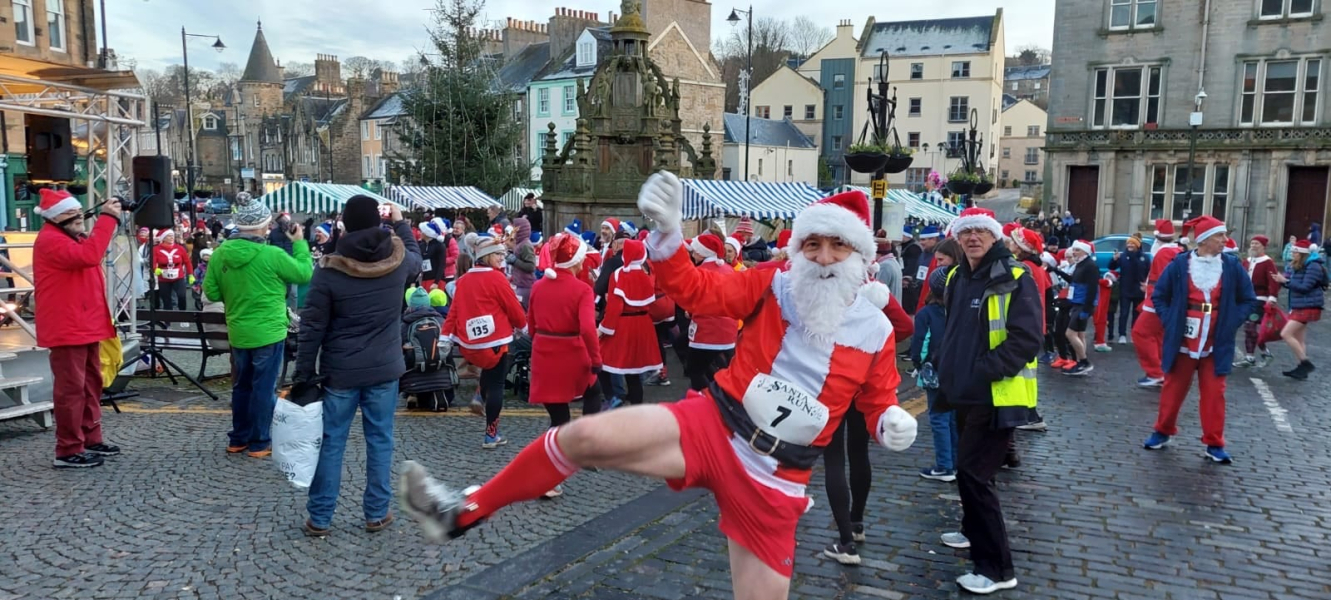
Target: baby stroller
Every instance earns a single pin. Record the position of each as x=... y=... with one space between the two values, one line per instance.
x=519 y=374
x=431 y=375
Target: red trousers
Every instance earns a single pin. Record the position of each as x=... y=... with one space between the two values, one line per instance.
x=77 y=371
x=1148 y=335
x=1177 y=383
x=1101 y=317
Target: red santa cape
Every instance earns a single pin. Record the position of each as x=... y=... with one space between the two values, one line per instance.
x=484 y=315
x=629 y=346
x=561 y=315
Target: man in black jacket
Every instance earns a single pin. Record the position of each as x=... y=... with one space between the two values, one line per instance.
x=534 y=213
x=970 y=367
x=351 y=325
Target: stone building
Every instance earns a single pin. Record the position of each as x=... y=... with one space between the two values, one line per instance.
x=1028 y=82
x=1127 y=88
x=1020 y=154
x=681 y=42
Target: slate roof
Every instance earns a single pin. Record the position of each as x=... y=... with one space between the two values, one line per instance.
x=565 y=67
x=931 y=37
x=322 y=110
x=1009 y=100
x=220 y=131
x=297 y=85
x=766 y=132
x=518 y=72
x=261 y=66
x=389 y=106
x=1027 y=72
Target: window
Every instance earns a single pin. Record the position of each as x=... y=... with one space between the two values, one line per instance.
x=256 y=100
x=1037 y=85
x=878 y=71
x=1031 y=177
x=1281 y=92
x=760 y=167
x=762 y=112
x=1032 y=131
x=917 y=70
x=1277 y=9
x=55 y=24
x=838 y=112
x=586 y=54
x=1158 y=186
x=364 y=130
x=1016 y=86
x=955 y=141
x=543 y=101
x=725 y=173
x=1169 y=191
x=1007 y=130
x=1183 y=208
x=1007 y=153
x=1126 y=96
x=378 y=131
x=517 y=110
x=23 y=21
x=957 y=109
x=235 y=149
x=809 y=112
x=379 y=165
x=1219 y=191
x=915 y=104
x=1005 y=176
x=1132 y=14
x=915 y=178
x=790 y=168
x=961 y=69
x=564 y=138
x=570 y=100
x=209 y=123
x=1032 y=156
x=913 y=139
x=365 y=164
x=788 y=112
x=838 y=81
x=836 y=143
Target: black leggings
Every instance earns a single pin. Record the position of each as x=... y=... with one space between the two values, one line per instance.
x=492 y=392
x=851 y=440
x=591 y=404
x=1060 y=333
x=632 y=383
x=703 y=364
x=681 y=345
x=663 y=336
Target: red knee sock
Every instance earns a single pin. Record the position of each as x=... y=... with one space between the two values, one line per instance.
x=537 y=469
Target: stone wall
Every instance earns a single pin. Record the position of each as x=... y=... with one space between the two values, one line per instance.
x=327 y=73
x=693 y=16
x=701 y=92
x=566 y=26
x=346 y=134
x=520 y=34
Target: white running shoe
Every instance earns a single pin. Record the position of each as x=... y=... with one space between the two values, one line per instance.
x=432 y=504
x=955 y=539
x=979 y=584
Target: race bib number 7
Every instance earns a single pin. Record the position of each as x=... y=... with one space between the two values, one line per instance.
x=780 y=408
x=1192 y=327
x=479 y=328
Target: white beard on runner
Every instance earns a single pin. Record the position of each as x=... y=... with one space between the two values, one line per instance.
x=1205 y=272
x=822 y=294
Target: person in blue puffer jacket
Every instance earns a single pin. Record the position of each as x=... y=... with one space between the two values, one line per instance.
x=1306 y=278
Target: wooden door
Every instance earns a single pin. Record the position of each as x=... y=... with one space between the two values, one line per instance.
x=1305 y=202
x=1083 y=196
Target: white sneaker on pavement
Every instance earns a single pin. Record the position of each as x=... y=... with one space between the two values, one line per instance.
x=955 y=539
x=979 y=584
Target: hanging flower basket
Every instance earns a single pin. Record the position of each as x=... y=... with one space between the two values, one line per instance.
x=962 y=182
x=899 y=159
x=982 y=188
x=864 y=158
x=180 y=194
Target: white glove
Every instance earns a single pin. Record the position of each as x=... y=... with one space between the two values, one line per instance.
x=897 y=429
x=662 y=200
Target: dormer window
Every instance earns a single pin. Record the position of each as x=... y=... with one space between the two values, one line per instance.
x=209 y=123
x=586 y=53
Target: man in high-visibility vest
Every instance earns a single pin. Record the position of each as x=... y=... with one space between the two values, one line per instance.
x=986 y=372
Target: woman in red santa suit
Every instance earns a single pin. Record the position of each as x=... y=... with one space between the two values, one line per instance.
x=628 y=334
x=484 y=315
x=711 y=338
x=171 y=265
x=1262 y=270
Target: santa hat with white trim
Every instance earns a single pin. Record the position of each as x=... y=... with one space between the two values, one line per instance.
x=162 y=234
x=1231 y=246
x=612 y=223
x=1084 y=246
x=1029 y=240
x=708 y=245
x=1303 y=247
x=734 y=242
x=54 y=202
x=844 y=216
x=976 y=218
x=631 y=281
x=1164 y=229
x=1204 y=227
x=567 y=251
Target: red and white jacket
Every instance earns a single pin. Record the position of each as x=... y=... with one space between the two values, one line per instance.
x=485 y=312
x=1262 y=270
x=1163 y=255
x=171 y=263
x=818 y=381
x=709 y=331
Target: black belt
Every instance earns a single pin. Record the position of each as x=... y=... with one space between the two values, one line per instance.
x=558 y=335
x=766 y=444
x=1202 y=308
x=627 y=314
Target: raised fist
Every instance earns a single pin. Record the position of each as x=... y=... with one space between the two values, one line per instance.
x=897 y=429
x=662 y=200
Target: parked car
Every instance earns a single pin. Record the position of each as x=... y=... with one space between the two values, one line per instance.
x=1106 y=246
x=219 y=205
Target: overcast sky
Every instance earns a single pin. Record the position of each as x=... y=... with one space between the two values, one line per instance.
x=148 y=30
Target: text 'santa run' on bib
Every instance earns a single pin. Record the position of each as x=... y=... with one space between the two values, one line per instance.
x=479 y=328
x=787 y=412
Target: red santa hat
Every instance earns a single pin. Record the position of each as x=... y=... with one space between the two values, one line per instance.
x=143 y=234
x=735 y=243
x=1204 y=227
x=708 y=245
x=642 y=234
x=1303 y=247
x=1110 y=278
x=1084 y=246
x=631 y=281
x=1261 y=239
x=161 y=234
x=1030 y=241
x=612 y=223
x=1164 y=229
x=1048 y=260
x=844 y=216
x=1061 y=255
x=635 y=253
x=1231 y=245
x=567 y=251
x=54 y=202
x=976 y=218
x=783 y=239
x=1008 y=228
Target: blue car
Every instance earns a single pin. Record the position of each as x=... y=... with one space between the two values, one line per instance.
x=1106 y=246
x=219 y=205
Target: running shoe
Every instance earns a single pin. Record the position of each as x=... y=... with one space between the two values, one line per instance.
x=78 y=461
x=1082 y=369
x=1047 y=358
x=554 y=492
x=1156 y=441
x=1246 y=362
x=1103 y=348
x=1218 y=454
x=1062 y=363
x=493 y=441
x=432 y=504
x=1036 y=426
x=937 y=474
x=1150 y=382
x=979 y=584
x=844 y=554
x=102 y=450
x=1122 y=339
x=956 y=540
x=857 y=532
x=477 y=406
x=616 y=402
x=1265 y=360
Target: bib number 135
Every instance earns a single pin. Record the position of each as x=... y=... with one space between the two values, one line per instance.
x=480 y=327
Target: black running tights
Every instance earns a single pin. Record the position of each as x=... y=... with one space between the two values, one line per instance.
x=591 y=404
x=851 y=440
x=632 y=387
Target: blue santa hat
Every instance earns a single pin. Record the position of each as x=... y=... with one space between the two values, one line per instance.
x=629 y=228
x=908 y=231
x=929 y=232
x=575 y=227
x=325 y=229
x=535 y=237
x=589 y=237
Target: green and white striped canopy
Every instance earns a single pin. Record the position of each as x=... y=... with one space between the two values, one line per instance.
x=299 y=197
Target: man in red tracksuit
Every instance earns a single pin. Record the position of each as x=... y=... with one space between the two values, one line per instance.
x=1147 y=332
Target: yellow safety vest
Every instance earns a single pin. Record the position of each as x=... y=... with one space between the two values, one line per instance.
x=1020 y=390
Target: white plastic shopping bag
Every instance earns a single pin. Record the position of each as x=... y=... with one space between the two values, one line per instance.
x=297 y=434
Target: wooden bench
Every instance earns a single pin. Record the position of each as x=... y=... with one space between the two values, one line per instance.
x=198 y=338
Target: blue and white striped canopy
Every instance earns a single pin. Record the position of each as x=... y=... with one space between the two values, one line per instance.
x=441 y=197
x=304 y=198
x=919 y=206
x=706 y=198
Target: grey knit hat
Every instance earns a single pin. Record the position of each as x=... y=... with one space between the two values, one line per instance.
x=483 y=245
x=250 y=213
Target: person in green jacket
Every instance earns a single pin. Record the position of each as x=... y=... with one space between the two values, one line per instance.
x=251 y=277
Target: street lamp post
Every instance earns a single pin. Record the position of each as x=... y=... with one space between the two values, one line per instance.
x=1195 y=121
x=745 y=79
x=189 y=120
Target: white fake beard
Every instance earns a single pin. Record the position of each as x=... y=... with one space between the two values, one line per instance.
x=1205 y=272
x=822 y=294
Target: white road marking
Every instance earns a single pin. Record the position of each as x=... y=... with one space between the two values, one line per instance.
x=1273 y=407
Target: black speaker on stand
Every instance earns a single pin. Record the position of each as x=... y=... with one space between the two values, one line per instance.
x=50 y=151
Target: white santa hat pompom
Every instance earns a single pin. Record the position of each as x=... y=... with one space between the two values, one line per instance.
x=550 y=273
x=876 y=293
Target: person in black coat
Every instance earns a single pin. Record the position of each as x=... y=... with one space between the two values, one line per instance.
x=1134 y=268
x=534 y=213
x=1085 y=282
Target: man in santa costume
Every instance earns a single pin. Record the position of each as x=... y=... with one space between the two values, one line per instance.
x=812 y=346
x=1202 y=298
x=628 y=336
x=1262 y=270
x=609 y=228
x=711 y=336
x=1147 y=332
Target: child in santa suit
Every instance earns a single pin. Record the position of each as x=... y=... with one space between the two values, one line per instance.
x=628 y=341
x=172 y=268
x=1262 y=270
x=711 y=339
x=1202 y=298
x=1107 y=283
x=484 y=314
x=1147 y=331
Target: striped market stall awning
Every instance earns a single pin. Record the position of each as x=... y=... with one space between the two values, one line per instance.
x=512 y=199
x=917 y=205
x=299 y=197
x=708 y=198
x=441 y=197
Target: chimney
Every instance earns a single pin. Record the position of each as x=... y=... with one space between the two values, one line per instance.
x=844 y=27
x=517 y=35
x=566 y=26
